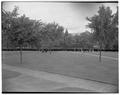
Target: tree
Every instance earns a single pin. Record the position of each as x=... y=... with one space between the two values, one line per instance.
x=21 y=30
x=7 y=18
x=52 y=34
x=114 y=43
x=66 y=38
x=85 y=40
x=101 y=27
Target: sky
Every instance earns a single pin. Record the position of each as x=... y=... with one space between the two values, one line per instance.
x=72 y=16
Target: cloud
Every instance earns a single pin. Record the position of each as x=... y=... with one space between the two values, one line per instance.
x=70 y=15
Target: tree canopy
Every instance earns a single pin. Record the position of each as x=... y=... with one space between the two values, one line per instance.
x=103 y=27
x=22 y=31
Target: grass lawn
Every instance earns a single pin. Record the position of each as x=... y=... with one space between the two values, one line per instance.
x=68 y=63
x=108 y=54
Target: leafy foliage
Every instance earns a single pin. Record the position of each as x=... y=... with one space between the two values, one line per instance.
x=22 y=31
x=103 y=25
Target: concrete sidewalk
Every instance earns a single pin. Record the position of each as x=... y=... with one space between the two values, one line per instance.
x=39 y=81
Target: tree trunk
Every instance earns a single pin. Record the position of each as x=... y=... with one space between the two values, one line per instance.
x=21 y=54
x=100 y=56
x=100 y=53
x=7 y=42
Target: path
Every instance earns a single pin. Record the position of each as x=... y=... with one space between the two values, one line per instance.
x=39 y=81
